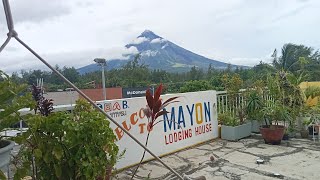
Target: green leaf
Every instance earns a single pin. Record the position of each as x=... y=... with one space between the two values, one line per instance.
x=2 y=176
x=20 y=173
x=37 y=153
x=47 y=158
x=57 y=152
x=57 y=170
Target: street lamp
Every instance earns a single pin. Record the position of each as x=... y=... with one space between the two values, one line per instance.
x=102 y=62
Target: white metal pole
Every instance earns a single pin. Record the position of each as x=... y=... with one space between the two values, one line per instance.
x=104 y=83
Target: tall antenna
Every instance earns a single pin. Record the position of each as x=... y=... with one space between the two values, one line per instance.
x=13 y=34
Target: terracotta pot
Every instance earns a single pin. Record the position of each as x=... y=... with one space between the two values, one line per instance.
x=272 y=134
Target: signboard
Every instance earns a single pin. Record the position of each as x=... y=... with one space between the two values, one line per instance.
x=134 y=92
x=192 y=120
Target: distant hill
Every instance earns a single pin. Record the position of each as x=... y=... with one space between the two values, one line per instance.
x=159 y=53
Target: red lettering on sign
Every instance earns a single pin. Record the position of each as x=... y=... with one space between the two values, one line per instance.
x=116 y=106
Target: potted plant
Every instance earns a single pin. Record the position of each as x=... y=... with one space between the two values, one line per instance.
x=11 y=100
x=304 y=129
x=310 y=110
x=282 y=107
x=77 y=145
x=233 y=127
x=304 y=117
x=313 y=122
x=254 y=106
x=272 y=132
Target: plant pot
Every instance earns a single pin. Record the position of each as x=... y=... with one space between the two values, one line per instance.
x=285 y=137
x=292 y=134
x=235 y=133
x=272 y=134
x=304 y=134
x=5 y=154
x=255 y=125
x=219 y=130
x=302 y=119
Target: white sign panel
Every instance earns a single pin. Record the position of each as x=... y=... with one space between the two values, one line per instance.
x=192 y=120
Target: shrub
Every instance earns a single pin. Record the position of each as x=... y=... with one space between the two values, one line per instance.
x=228 y=119
x=78 y=145
x=193 y=86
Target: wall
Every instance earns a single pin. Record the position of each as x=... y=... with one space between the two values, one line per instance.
x=194 y=116
x=62 y=98
x=97 y=95
x=304 y=85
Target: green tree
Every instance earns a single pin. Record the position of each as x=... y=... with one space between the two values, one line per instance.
x=70 y=73
x=292 y=56
x=196 y=85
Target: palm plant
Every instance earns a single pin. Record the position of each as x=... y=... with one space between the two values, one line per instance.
x=254 y=104
x=291 y=57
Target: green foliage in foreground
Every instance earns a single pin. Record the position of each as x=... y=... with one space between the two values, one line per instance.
x=78 y=145
x=13 y=97
x=11 y=100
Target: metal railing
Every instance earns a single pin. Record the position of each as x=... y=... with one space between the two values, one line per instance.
x=225 y=105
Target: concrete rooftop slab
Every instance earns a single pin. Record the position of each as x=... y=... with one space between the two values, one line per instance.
x=293 y=159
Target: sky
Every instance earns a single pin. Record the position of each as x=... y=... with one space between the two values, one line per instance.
x=74 y=32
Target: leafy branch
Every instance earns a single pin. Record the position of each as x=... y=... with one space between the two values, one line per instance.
x=154 y=109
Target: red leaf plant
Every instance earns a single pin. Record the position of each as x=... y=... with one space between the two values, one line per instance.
x=154 y=109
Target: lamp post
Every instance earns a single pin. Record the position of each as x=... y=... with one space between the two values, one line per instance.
x=102 y=62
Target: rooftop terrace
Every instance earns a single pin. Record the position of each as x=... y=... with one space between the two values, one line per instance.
x=220 y=159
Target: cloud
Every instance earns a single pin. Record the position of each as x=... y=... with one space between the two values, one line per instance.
x=139 y=40
x=11 y=48
x=158 y=40
x=120 y=52
x=292 y=12
x=76 y=58
x=149 y=53
x=245 y=61
x=37 y=10
x=129 y=51
x=239 y=31
x=249 y=61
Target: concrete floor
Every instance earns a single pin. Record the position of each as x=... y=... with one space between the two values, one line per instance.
x=293 y=159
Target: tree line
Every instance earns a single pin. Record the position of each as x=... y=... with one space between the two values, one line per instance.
x=293 y=58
